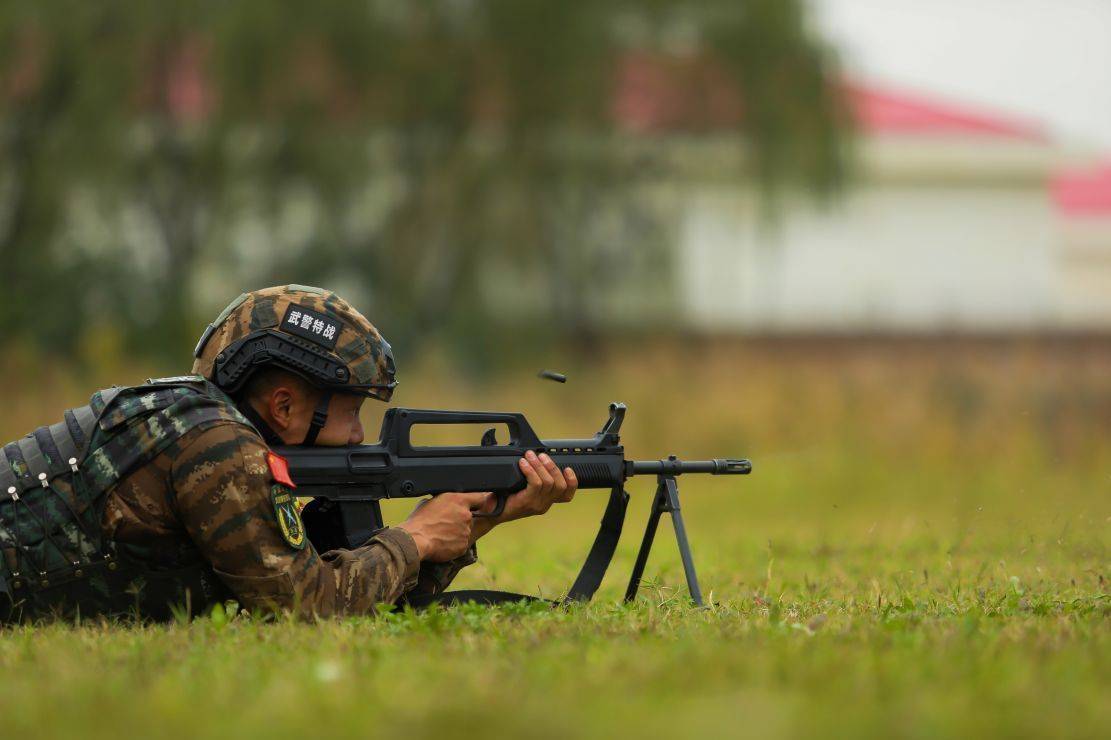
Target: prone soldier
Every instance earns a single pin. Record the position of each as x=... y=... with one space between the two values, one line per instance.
x=167 y=495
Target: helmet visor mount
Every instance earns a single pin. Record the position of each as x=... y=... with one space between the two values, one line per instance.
x=239 y=361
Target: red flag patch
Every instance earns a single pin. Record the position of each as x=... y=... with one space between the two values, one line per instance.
x=279 y=470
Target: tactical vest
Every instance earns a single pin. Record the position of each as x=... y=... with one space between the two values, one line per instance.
x=54 y=558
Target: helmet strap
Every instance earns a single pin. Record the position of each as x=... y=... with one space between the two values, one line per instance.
x=319 y=418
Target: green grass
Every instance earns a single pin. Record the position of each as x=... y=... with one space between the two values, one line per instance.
x=922 y=551
x=995 y=658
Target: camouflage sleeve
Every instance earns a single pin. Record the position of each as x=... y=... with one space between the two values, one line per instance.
x=222 y=488
x=434 y=578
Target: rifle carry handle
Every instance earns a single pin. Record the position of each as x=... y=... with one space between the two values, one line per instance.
x=398 y=425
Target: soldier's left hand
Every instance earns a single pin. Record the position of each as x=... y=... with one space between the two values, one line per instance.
x=546 y=485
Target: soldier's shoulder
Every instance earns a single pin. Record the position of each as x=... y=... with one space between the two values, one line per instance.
x=213 y=458
x=222 y=433
x=218 y=441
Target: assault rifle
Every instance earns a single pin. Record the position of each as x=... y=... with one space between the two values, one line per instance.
x=348 y=483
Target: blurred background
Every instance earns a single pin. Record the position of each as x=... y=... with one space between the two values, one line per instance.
x=865 y=242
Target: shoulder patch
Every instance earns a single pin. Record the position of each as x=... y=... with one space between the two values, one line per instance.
x=289 y=518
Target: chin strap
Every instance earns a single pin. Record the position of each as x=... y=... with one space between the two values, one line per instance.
x=319 y=419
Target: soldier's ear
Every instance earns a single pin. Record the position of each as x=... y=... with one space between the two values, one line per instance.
x=281 y=408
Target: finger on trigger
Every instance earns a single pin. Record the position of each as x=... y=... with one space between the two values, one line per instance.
x=476 y=499
x=487 y=503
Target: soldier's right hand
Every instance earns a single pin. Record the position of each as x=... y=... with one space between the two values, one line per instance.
x=441 y=526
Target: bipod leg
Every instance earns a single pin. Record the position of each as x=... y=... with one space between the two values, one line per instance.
x=666 y=500
x=646 y=543
x=672 y=494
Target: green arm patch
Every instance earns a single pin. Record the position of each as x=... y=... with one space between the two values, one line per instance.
x=289 y=518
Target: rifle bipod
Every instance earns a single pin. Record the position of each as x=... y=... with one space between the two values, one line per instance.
x=665 y=500
x=601 y=554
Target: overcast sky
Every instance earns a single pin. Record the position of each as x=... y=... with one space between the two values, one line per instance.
x=1047 y=61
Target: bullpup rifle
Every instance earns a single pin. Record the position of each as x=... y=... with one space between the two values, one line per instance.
x=348 y=483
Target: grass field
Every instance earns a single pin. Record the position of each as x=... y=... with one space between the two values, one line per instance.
x=921 y=551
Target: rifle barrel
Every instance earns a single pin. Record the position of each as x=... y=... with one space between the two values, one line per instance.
x=673 y=466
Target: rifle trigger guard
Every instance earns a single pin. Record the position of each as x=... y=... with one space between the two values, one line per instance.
x=498 y=509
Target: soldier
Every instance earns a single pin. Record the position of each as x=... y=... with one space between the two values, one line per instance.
x=188 y=500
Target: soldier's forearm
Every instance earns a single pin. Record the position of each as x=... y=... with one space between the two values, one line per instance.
x=434 y=578
x=355 y=581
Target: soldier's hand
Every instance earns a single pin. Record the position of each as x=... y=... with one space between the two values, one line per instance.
x=547 y=485
x=441 y=526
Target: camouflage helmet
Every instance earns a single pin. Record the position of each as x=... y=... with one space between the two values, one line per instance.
x=308 y=331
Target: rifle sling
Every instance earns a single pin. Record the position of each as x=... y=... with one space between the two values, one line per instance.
x=601 y=552
x=589 y=578
x=470 y=596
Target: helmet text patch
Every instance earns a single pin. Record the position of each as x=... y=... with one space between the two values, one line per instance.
x=312 y=325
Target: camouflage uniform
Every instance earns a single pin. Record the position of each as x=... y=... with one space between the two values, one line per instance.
x=209 y=496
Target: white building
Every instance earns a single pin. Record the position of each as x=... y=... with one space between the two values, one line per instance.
x=1083 y=206
x=953 y=225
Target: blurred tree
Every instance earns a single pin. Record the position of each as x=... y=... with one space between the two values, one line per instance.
x=436 y=157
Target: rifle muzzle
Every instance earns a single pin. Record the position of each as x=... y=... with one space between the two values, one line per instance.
x=675 y=466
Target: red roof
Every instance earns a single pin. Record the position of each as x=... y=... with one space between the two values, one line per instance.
x=901 y=113
x=1083 y=192
x=656 y=93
